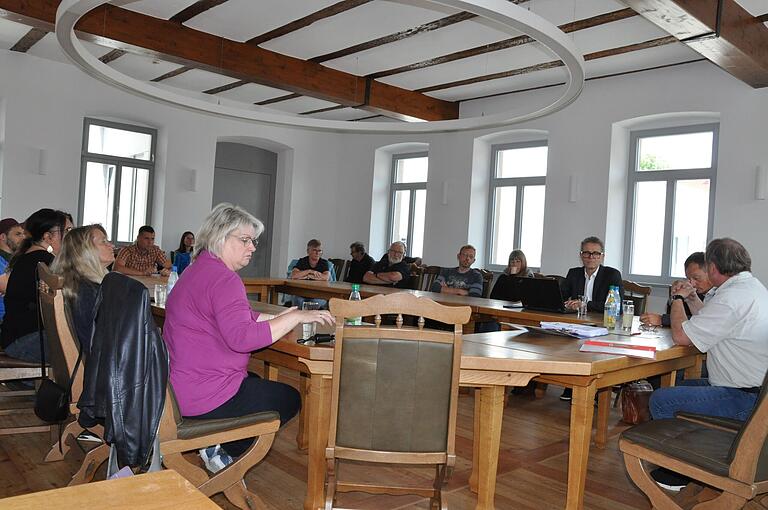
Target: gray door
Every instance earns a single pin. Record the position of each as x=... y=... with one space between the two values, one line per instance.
x=253 y=192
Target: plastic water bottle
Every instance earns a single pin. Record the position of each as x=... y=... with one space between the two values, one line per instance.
x=612 y=308
x=354 y=296
x=171 y=281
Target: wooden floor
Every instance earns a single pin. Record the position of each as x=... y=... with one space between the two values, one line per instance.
x=532 y=465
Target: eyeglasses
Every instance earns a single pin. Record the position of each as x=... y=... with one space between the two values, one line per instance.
x=397 y=252
x=650 y=328
x=591 y=254
x=58 y=230
x=246 y=240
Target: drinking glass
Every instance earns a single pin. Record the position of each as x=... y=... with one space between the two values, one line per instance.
x=628 y=315
x=582 y=310
x=160 y=293
x=308 y=328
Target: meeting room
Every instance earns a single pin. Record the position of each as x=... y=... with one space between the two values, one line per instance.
x=383 y=254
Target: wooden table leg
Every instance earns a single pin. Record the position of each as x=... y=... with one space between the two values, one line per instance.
x=301 y=435
x=487 y=437
x=475 y=444
x=668 y=379
x=603 y=410
x=582 y=412
x=271 y=372
x=318 y=418
x=694 y=371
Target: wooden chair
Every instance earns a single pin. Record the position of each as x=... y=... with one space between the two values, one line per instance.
x=428 y=276
x=411 y=419
x=415 y=278
x=62 y=355
x=638 y=294
x=728 y=457
x=487 y=281
x=338 y=266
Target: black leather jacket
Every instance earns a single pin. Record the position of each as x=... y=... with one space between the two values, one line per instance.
x=126 y=373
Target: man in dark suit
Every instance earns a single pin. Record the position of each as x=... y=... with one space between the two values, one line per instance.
x=592 y=280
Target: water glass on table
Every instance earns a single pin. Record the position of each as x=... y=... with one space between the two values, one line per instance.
x=628 y=315
x=308 y=328
x=160 y=294
x=581 y=312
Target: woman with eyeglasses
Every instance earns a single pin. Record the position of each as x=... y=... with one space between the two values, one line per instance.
x=211 y=331
x=20 y=337
x=85 y=255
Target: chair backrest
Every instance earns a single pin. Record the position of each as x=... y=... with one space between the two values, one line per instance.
x=487 y=280
x=338 y=266
x=62 y=348
x=748 y=456
x=638 y=294
x=395 y=389
x=415 y=278
x=428 y=276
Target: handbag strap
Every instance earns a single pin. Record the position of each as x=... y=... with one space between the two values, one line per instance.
x=43 y=373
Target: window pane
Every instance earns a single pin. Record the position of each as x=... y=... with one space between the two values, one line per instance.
x=400 y=211
x=673 y=152
x=503 y=236
x=132 y=212
x=419 y=212
x=523 y=162
x=532 y=230
x=411 y=170
x=689 y=230
x=119 y=142
x=99 y=199
x=648 y=227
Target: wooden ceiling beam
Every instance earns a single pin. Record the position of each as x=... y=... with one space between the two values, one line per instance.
x=28 y=40
x=331 y=10
x=193 y=10
x=573 y=26
x=661 y=41
x=138 y=33
x=720 y=30
x=112 y=55
x=171 y=74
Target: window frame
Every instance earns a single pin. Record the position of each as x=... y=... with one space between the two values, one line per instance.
x=501 y=182
x=119 y=162
x=671 y=178
x=394 y=187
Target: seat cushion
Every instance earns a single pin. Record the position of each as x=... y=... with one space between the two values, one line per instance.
x=8 y=362
x=190 y=428
x=689 y=442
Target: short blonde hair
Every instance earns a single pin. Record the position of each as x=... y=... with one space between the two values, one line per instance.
x=224 y=219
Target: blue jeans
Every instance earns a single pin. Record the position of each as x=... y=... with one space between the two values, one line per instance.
x=26 y=347
x=698 y=396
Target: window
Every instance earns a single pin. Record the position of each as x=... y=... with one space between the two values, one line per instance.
x=408 y=202
x=671 y=188
x=516 y=212
x=116 y=177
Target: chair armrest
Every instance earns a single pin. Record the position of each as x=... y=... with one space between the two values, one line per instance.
x=715 y=422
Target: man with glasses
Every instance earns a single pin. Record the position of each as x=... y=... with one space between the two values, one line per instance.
x=391 y=270
x=461 y=280
x=360 y=264
x=312 y=267
x=592 y=280
x=144 y=257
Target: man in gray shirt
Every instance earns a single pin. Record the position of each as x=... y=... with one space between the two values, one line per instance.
x=461 y=280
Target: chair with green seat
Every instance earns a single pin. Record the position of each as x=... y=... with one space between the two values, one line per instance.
x=727 y=457
x=394 y=393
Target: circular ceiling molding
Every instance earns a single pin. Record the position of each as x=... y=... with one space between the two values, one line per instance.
x=499 y=11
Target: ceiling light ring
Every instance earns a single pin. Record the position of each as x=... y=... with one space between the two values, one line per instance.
x=499 y=11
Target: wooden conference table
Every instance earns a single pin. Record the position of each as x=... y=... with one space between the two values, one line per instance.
x=163 y=490
x=490 y=362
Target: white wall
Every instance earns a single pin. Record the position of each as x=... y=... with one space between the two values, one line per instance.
x=326 y=180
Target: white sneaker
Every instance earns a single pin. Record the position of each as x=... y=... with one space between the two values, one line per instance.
x=215 y=458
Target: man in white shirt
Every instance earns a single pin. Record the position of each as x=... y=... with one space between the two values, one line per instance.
x=731 y=327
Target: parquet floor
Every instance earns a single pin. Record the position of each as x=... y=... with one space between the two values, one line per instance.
x=532 y=470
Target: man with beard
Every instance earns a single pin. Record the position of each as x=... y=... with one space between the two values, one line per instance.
x=391 y=270
x=462 y=280
x=11 y=236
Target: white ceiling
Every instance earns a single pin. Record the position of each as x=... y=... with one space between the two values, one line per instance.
x=242 y=20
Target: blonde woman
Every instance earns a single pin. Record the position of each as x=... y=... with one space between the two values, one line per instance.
x=85 y=254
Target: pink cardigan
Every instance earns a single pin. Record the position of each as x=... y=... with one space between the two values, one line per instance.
x=210 y=331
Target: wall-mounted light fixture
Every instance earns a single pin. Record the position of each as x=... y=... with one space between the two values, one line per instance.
x=573 y=189
x=761 y=179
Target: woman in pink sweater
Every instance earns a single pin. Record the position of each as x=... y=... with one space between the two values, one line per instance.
x=211 y=331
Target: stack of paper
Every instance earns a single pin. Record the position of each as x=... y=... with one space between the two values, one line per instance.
x=636 y=347
x=576 y=330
